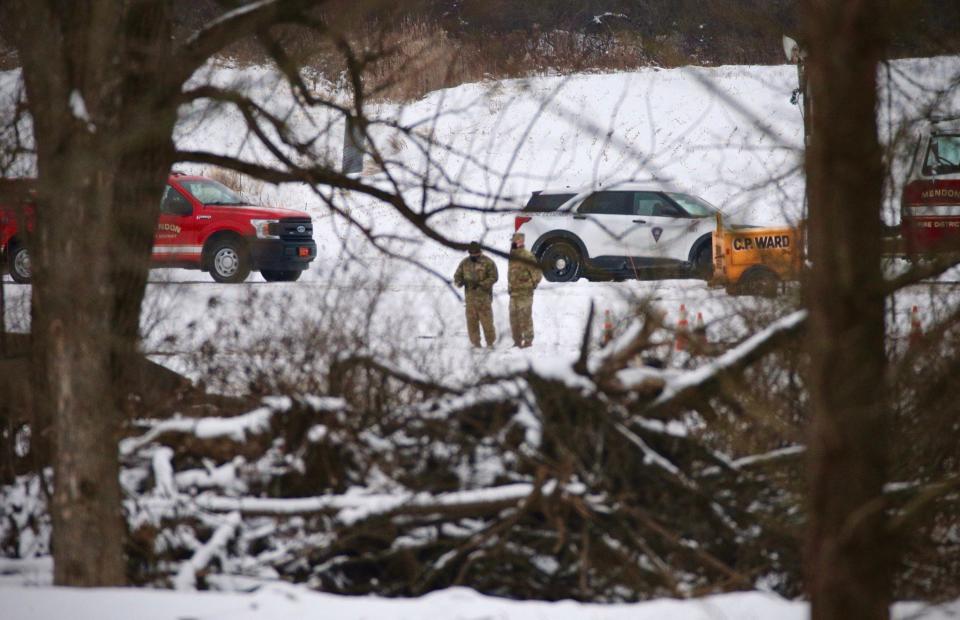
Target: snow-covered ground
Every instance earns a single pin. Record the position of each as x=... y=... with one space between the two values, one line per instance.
x=285 y=602
x=728 y=134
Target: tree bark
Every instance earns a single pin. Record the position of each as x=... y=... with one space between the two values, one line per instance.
x=148 y=116
x=93 y=75
x=72 y=320
x=103 y=81
x=848 y=563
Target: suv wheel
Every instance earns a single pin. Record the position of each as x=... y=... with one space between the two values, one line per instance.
x=20 y=265
x=273 y=275
x=561 y=262
x=229 y=262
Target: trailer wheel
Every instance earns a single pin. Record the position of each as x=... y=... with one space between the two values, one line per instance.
x=19 y=263
x=759 y=281
x=703 y=262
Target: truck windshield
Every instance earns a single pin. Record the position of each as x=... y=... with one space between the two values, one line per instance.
x=212 y=193
x=943 y=155
x=696 y=207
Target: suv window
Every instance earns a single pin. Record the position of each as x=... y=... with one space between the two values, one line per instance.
x=653 y=205
x=695 y=207
x=546 y=203
x=608 y=203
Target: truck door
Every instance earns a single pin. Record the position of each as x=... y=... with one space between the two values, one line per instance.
x=175 y=239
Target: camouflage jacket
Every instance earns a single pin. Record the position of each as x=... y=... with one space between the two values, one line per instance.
x=524 y=273
x=476 y=277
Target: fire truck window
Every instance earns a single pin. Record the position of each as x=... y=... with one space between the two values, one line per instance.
x=943 y=156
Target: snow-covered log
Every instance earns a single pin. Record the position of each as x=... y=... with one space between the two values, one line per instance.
x=680 y=389
x=186 y=578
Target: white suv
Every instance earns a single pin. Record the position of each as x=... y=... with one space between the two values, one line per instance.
x=627 y=231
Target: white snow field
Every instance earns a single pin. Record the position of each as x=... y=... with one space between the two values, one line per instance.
x=728 y=134
x=287 y=602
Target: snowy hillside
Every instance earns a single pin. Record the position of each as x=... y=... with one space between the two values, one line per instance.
x=729 y=134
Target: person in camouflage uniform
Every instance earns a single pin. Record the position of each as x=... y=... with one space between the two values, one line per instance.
x=523 y=277
x=476 y=274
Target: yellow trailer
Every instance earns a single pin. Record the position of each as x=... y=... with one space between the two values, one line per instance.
x=756 y=261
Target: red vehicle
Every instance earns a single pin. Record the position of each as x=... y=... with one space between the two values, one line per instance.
x=930 y=205
x=203 y=225
x=16 y=207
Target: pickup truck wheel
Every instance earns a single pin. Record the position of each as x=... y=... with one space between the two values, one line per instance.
x=272 y=275
x=229 y=262
x=561 y=262
x=20 y=265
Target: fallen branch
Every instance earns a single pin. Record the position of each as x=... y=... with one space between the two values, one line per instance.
x=692 y=386
x=186 y=578
x=236 y=428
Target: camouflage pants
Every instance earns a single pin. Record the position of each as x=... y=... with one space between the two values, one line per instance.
x=521 y=319
x=480 y=314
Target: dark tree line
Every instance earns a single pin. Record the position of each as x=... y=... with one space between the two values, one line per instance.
x=705 y=31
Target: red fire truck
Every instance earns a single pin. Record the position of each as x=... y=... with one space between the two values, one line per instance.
x=203 y=225
x=930 y=204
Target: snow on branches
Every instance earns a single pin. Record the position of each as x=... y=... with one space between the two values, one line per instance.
x=547 y=482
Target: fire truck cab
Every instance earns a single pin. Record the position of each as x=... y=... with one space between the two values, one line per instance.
x=930 y=204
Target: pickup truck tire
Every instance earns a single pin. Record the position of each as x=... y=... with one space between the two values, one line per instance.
x=272 y=275
x=19 y=264
x=229 y=261
x=561 y=262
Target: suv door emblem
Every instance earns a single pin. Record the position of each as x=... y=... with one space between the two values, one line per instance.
x=656 y=231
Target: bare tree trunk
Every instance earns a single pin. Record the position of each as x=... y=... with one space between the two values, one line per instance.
x=149 y=106
x=75 y=327
x=71 y=292
x=92 y=73
x=848 y=562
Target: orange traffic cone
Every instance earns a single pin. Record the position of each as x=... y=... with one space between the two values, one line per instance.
x=683 y=326
x=606 y=335
x=916 y=327
x=700 y=330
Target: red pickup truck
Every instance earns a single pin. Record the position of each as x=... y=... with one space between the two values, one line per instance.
x=203 y=225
